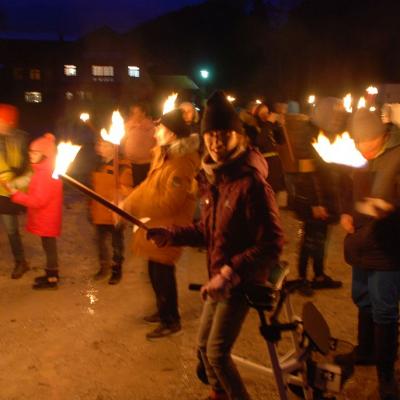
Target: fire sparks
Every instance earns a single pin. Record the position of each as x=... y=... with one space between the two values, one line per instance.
x=362 y=103
x=117 y=129
x=372 y=90
x=311 y=99
x=84 y=117
x=230 y=98
x=169 y=104
x=66 y=153
x=347 y=102
x=342 y=151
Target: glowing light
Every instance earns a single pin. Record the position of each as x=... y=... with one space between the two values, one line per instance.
x=347 y=102
x=230 y=98
x=66 y=153
x=362 y=103
x=342 y=151
x=169 y=104
x=372 y=90
x=84 y=116
x=258 y=101
x=117 y=129
x=311 y=99
x=204 y=74
x=372 y=108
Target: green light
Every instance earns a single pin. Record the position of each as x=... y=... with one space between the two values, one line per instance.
x=204 y=74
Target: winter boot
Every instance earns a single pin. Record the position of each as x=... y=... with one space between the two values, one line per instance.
x=102 y=272
x=50 y=282
x=386 y=355
x=363 y=353
x=20 y=268
x=116 y=274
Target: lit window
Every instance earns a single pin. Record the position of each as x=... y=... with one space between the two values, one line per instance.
x=70 y=70
x=34 y=74
x=69 y=95
x=134 y=72
x=102 y=70
x=33 y=97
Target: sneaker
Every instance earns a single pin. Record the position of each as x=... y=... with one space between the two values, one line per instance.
x=325 y=282
x=48 y=283
x=153 y=318
x=163 y=331
x=20 y=268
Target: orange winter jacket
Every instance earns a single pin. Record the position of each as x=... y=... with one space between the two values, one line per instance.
x=167 y=196
x=103 y=182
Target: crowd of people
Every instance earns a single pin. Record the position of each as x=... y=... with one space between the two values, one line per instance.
x=212 y=183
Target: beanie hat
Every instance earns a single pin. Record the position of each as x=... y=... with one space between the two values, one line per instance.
x=46 y=144
x=330 y=116
x=173 y=120
x=9 y=115
x=219 y=115
x=366 y=125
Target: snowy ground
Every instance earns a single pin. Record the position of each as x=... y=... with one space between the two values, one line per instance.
x=86 y=340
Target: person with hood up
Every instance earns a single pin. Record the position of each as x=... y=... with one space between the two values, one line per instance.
x=241 y=229
x=14 y=170
x=167 y=196
x=44 y=201
x=372 y=221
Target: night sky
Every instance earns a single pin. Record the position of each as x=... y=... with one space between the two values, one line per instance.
x=74 y=17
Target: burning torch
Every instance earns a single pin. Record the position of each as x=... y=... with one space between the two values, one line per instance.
x=66 y=153
x=114 y=136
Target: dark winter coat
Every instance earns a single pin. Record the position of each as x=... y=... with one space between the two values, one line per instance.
x=375 y=244
x=239 y=223
x=43 y=200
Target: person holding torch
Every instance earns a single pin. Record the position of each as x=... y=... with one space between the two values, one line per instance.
x=241 y=230
x=166 y=196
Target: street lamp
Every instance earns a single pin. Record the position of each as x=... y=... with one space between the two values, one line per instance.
x=204 y=73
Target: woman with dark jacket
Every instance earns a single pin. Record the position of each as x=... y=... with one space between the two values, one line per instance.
x=240 y=227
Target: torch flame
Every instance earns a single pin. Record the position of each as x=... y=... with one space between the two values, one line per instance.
x=66 y=153
x=169 y=104
x=117 y=129
x=362 y=103
x=230 y=98
x=372 y=90
x=311 y=99
x=347 y=101
x=342 y=151
x=84 y=116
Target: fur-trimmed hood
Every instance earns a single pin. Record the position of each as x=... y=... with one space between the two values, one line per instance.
x=184 y=146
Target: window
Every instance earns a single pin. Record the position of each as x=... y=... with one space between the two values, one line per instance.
x=33 y=97
x=102 y=70
x=70 y=70
x=18 y=73
x=133 y=72
x=34 y=74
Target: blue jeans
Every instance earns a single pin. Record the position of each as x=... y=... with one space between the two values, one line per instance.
x=377 y=292
x=10 y=222
x=220 y=326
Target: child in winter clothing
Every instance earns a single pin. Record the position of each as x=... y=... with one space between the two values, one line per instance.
x=103 y=182
x=44 y=204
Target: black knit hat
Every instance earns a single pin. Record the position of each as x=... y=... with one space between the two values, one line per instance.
x=219 y=115
x=173 y=120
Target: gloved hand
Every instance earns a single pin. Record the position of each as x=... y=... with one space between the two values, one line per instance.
x=161 y=237
x=220 y=285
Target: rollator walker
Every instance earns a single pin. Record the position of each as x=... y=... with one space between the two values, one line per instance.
x=307 y=370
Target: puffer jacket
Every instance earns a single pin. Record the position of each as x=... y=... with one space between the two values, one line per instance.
x=375 y=244
x=167 y=196
x=43 y=200
x=240 y=224
x=103 y=183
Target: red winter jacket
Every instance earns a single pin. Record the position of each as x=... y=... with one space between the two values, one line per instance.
x=43 y=200
x=239 y=223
